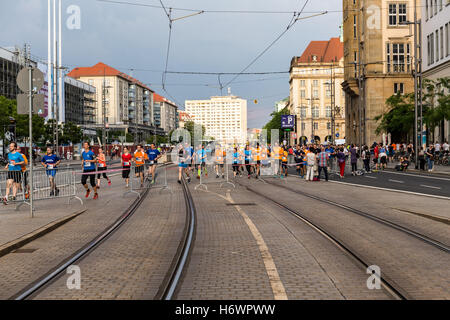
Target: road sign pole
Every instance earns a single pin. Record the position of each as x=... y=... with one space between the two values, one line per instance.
x=30 y=150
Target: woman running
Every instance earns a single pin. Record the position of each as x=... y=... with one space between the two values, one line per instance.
x=101 y=160
x=126 y=164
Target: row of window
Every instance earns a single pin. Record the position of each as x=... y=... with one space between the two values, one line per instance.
x=398 y=57
x=315 y=111
x=438 y=44
x=316 y=126
x=432 y=7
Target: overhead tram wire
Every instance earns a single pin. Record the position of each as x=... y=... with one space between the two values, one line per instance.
x=290 y=25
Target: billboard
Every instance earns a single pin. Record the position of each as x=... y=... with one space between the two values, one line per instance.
x=287 y=122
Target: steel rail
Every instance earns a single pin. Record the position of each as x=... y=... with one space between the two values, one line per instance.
x=387 y=284
x=382 y=221
x=173 y=278
x=53 y=274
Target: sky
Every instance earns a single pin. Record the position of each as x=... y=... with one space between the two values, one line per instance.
x=133 y=39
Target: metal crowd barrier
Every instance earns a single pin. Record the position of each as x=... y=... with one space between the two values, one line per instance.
x=64 y=180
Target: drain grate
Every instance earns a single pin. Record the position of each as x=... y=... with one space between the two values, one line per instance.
x=23 y=250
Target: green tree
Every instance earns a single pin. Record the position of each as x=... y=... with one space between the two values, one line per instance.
x=275 y=123
x=436 y=99
x=71 y=133
x=189 y=126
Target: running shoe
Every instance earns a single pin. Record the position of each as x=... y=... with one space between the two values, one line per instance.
x=249 y=176
x=217 y=176
x=52 y=193
x=198 y=177
x=27 y=195
x=189 y=179
x=5 y=201
x=153 y=181
x=57 y=192
x=98 y=187
x=179 y=181
x=109 y=182
x=223 y=176
x=88 y=191
x=96 y=196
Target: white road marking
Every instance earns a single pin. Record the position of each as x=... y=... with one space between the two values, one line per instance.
x=416 y=175
x=425 y=186
x=397 y=181
x=395 y=190
x=370 y=177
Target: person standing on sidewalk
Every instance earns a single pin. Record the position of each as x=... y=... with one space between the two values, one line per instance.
x=51 y=162
x=101 y=159
x=366 y=158
x=310 y=161
x=15 y=160
x=341 y=161
x=323 y=162
x=353 y=159
x=88 y=164
x=430 y=157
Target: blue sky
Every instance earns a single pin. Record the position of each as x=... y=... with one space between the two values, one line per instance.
x=135 y=37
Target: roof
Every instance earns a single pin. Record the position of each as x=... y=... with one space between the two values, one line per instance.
x=158 y=98
x=103 y=70
x=324 y=51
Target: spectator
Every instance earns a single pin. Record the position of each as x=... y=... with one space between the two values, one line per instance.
x=341 y=161
x=354 y=159
x=323 y=162
x=430 y=157
x=366 y=158
x=310 y=161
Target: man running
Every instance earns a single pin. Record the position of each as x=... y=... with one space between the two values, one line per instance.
x=182 y=165
x=220 y=162
x=258 y=160
x=88 y=164
x=15 y=160
x=126 y=164
x=284 y=163
x=201 y=161
x=139 y=159
x=25 y=174
x=153 y=156
x=51 y=161
x=101 y=159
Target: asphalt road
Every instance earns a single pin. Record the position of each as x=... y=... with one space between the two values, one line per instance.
x=411 y=182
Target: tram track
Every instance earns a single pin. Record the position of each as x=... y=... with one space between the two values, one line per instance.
x=388 y=284
x=173 y=276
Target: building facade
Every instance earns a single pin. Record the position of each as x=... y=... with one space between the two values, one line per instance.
x=280 y=105
x=316 y=96
x=378 y=59
x=436 y=50
x=183 y=118
x=80 y=104
x=224 y=117
x=167 y=113
x=123 y=102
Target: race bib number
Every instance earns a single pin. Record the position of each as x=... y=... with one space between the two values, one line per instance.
x=101 y=165
x=49 y=166
x=87 y=164
x=126 y=163
x=152 y=162
x=139 y=159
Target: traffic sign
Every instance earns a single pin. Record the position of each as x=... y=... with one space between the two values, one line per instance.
x=23 y=104
x=337 y=135
x=287 y=122
x=23 y=81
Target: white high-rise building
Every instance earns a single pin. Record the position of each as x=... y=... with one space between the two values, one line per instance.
x=224 y=118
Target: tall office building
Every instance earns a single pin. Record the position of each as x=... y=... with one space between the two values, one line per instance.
x=224 y=118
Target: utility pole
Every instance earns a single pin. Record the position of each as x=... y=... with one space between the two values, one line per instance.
x=360 y=78
x=312 y=116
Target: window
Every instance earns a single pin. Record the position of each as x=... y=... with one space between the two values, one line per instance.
x=302 y=83
x=428 y=50
x=328 y=90
x=398 y=57
x=302 y=93
x=447 y=37
x=355 y=60
x=435 y=7
x=303 y=112
x=315 y=112
x=398 y=88
x=315 y=83
x=392 y=14
x=328 y=125
x=328 y=111
x=316 y=126
x=303 y=126
x=437 y=45
x=354 y=27
x=426 y=9
x=401 y=13
x=315 y=93
x=442 y=42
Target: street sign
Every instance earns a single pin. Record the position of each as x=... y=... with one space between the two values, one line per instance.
x=337 y=135
x=23 y=80
x=287 y=122
x=23 y=106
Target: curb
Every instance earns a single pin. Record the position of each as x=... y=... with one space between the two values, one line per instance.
x=23 y=240
x=433 y=173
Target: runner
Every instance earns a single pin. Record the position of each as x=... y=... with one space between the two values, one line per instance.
x=101 y=159
x=248 y=159
x=51 y=161
x=182 y=165
x=236 y=162
x=219 y=161
x=126 y=164
x=201 y=161
x=153 y=156
x=190 y=157
x=284 y=163
x=258 y=160
x=88 y=164
x=25 y=174
x=139 y=158
x=15 y=160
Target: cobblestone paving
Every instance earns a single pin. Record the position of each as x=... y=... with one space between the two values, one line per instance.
x=133 y=262
x=19 y=269
x=419 y=269
x=384 y=204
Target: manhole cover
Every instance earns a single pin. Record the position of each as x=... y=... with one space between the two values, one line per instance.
x=30 y=250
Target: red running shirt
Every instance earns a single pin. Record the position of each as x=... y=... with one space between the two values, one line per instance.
x=126 y=158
